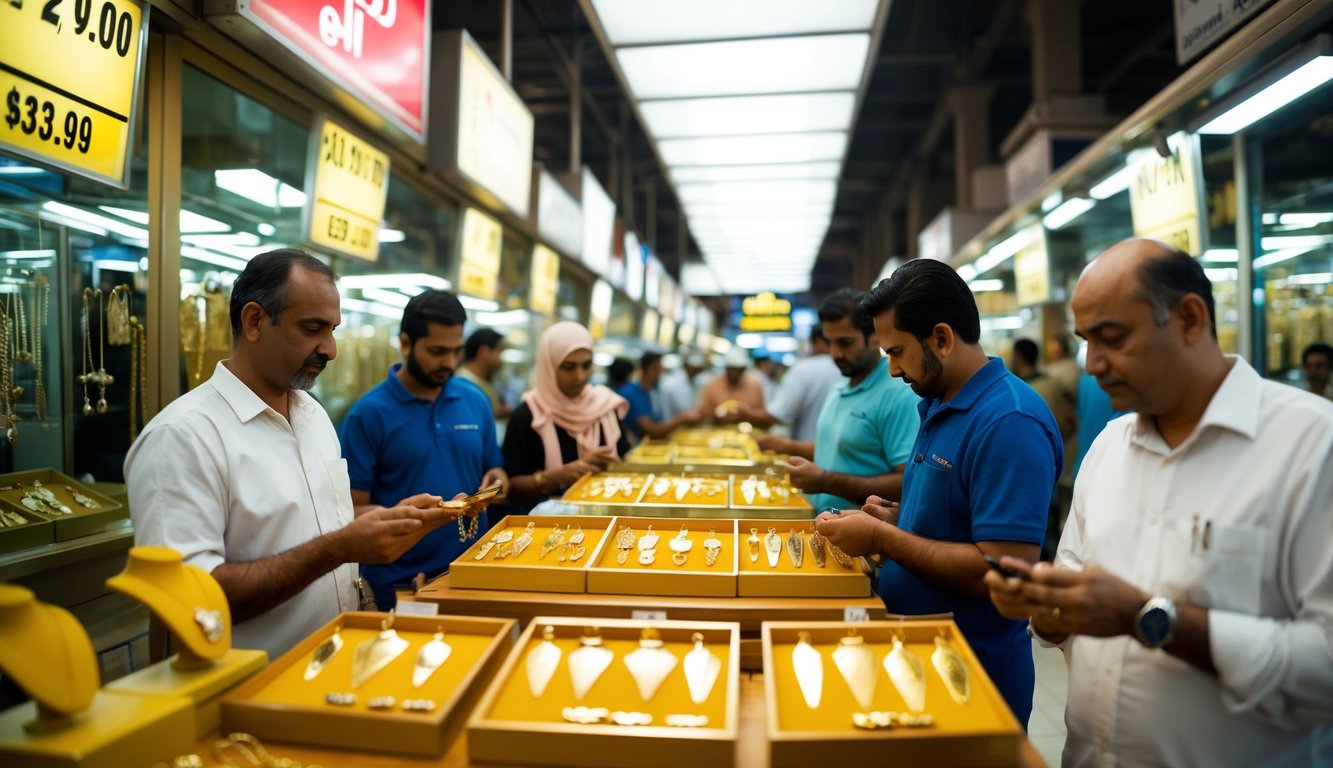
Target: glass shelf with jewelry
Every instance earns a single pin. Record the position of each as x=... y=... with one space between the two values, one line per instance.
x=45 y=495
x=585 y=692
x=880 y=692
x=379 y=682
x=689 y=557
x=789 y=558
x=533 y=553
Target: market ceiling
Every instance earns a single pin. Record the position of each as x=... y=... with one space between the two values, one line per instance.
x=902 y=123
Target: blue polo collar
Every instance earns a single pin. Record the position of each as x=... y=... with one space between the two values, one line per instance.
x=981 y=381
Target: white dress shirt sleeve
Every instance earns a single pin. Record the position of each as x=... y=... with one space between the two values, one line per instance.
x=178 y=494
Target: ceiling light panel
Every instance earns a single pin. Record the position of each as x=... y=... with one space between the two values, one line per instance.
x=809 y=191
x=693 y=174
x=734 y=68
x=629 y=22
x=730 y=116
x=747 y=150
x=714 y=210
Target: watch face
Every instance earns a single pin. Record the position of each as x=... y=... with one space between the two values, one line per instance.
x=1155 y=625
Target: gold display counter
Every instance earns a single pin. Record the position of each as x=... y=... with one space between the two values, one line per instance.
x=752 y=747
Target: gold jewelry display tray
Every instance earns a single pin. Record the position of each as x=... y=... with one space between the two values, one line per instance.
x=980 y=732
x=512 y=726
x=16 y=536
x=757 y=578
x=279 y=703
x=529 y=570
x=673 y=570
x=81 y=520
x=686 y=494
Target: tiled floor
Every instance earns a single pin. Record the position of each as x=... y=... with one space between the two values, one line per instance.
x=1046 y=728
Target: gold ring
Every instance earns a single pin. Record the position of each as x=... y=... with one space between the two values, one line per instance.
x=1055 y=613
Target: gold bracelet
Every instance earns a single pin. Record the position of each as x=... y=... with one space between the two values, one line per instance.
x=539 y=477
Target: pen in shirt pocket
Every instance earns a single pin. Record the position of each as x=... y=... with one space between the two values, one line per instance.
x=1207 y=535
x=1194 y=535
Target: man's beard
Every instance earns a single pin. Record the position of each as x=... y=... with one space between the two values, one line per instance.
x=928 y=386
x=415 y=370
x=305 y=381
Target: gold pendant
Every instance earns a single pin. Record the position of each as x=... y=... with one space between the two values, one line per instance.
x=523 y=539
x=701 y=670
x=648 y=540
x=486 y=548
x=762 y=487
x=542 y=663
x=808 y=663
x=952 y=669
x=840 y=557
x=856 y=662
x=908 y=675
x=553 y=539
x=624 y=542
x=712 y=548
x=753 y=541
x=660 y=487
x=682 y=488
x=588 y=662
x=82 y=500
x=429 y=658
x=576 y=538
x=680 y=545
x=210 y=623
x=773 y=545
x=375 y=654
x=817 y=543
x=795 y=548
x=323 y=654
x=747 y=490
x=650 y=663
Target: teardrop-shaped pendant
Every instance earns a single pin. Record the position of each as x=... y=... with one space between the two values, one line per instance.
x=795 y=548
x=588 y=662
x=375 y=654
x=908 y=675
x=753 y=541
x=840 y=557
x=773 y=545
x=431 y=656
x=808 y=664
x=953 y=671
x=650 y=663
x=817 y=548
x=701 y=670
x=522 y=541
x=856 y=661
x=542 y=662
x=323 y=654
x=553 y=539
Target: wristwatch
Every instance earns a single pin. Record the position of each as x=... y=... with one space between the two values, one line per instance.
x=365 y=597
x=1155 y=625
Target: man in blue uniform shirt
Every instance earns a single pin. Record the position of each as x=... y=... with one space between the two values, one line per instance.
x=645 y=414
x=421 y=428
x=983 y=467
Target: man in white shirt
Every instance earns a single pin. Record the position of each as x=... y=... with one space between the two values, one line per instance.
x=679 y=389
x=804 y=389
x=243 y=475
x=1192 y=592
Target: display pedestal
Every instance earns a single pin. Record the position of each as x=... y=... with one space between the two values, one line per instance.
x=118 y=730
x=202 y=683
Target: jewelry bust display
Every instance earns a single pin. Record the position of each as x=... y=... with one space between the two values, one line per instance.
x=188 y=600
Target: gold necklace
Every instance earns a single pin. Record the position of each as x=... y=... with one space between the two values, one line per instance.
x=41 y=308
x=103 y=378
x=6 y=393
x=138 y=375
x=21 y=352
x=87 y=376
x=118 y=332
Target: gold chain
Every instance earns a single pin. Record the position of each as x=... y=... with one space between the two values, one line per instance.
x=103 y=378
x=6 y=394
x=87 y=376
x=138 y=375
x=118 y=332
x=41 y=294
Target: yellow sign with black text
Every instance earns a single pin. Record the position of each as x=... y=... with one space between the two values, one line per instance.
x=69 y=75
x=351 y=184
x=1165 y=200
x=479 y=255
x=765 y=312
x=545 y=280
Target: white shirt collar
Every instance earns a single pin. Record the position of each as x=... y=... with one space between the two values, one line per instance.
x=243 y=400
x=1234 y=406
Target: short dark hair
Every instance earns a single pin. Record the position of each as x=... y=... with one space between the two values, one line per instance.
x=1317 y=348
x=846 y=303
x=1167 y=278
x=264 y=281
x=431 y=306
x=648 y=359
x=1026 y=350
x=482 y=337
x=619 y=371
x=817 y=332
x=922 y=294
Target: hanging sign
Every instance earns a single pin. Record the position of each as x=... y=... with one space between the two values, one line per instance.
x=545 y=280
x=765 y=312
x=70 y=72
x=1165 y=199
x=351 y=183
x=1032 y=269
x=479 y=259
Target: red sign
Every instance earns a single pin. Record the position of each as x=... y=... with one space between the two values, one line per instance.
x=378 y=49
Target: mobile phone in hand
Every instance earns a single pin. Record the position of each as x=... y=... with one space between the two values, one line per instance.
x=474 y=500
x=1008 y=573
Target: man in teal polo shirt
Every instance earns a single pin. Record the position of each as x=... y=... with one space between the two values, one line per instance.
x=980 y=479
x=423 y=428
x=865 y=430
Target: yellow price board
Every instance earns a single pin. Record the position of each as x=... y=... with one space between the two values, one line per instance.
x=545 y=280
x=479 y=255
x=69 y=75
x=351 y=185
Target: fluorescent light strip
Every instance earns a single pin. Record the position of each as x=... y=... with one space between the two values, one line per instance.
x=695 y=174
x=478 y=305
x=737 y=115
x=391 y=298
x=1002 y=251
x=1222 y=274
x=807 y=192
x=1293 y=86
x=1113 y=185
x=1277 y=257
x=399 y=281
x=101 y=225
x=1067 y=212
x=208 y=257
x=1221 y=255
x=259 y=187
x=986 y=286
x=190 y=222
x=1311 y=278
x=629 y=22
x=754 y=150
x=369 y=308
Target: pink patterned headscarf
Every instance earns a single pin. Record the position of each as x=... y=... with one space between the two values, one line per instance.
x=595 y=407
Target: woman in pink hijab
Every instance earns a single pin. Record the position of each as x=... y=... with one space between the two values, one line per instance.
x=564 y=428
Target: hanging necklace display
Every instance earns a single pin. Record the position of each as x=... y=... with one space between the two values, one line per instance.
x=650 y=663
x=680 y=546
x=840 y=557
x=712 y=548
x=588 y=662
x=376 y=653
x=817 y=551
x=431 y=656
x=468 y=526
x=323 y=654
x=952 y=669
x=808 y=663
x=192 y=339
x=88 y=376
x=908 y=675
x=8 y=393
x=138 y=376
x=22 y=349
x=795 y=548
x=553 y=539
x=542 y=662
x=104 y=379
x=701 y=670
x=41 y=305
x=624 y=542
x=856 y=662
x=648 y=547
x=118 y=316
x=773 y=545
x=753 y=541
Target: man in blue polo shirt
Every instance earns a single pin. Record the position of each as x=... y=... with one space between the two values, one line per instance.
x=422 y=428
x=980 y=479
x=865 y=430
x=645 y=414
